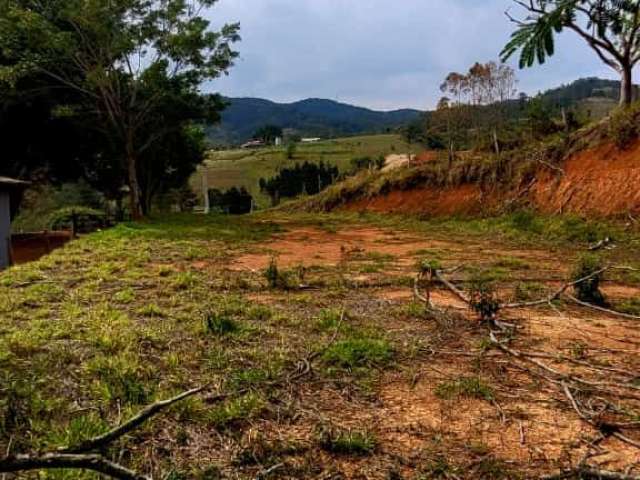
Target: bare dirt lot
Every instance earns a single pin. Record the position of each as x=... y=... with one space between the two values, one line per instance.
x=330 y=368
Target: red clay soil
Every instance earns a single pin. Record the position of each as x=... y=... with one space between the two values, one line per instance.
x=464 y=199
x=602 y=181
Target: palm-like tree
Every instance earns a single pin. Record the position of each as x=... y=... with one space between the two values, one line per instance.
x=610 y=27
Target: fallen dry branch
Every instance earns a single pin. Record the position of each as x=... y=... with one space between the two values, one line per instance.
x=77 y=457
x=48 y=461
x=439 y=275
x=602 y=309
x=111 y=436
x=606 y=427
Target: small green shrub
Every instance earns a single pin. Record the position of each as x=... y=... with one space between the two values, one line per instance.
x=83 y=218
x=276 y=278
x=328 y=319
x=237 y=410
x=347 y=442
x=471 y=387
x=623 y=126
x=219 y=324
x=358 y=352
x=589 y=290
x=527 y=291
x=484 y=300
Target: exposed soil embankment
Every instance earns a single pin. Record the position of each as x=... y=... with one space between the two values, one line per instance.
x=600 y=181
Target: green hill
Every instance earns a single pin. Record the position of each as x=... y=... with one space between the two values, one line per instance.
x=311 y=117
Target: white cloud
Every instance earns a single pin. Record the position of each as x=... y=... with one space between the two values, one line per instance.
x=377 y=53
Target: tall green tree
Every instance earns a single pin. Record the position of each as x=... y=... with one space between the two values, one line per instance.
x=125 y=57
x=610 y=27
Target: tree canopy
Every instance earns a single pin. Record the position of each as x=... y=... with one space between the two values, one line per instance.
x=136 y=64
x=610 y=27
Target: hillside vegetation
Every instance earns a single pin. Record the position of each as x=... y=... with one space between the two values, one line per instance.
x=245 y=168
x=311 y=117
x=593 y=171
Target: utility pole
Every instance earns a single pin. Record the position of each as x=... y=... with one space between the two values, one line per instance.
x=205 y=190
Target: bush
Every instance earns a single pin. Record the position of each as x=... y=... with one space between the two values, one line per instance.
x=484 y=300
x=235 y=201
x=347 y=442
x=219 y=324
x=358 y=352
x=623 y=126
x=276 y=278
x=83 y=219
x=589 y=290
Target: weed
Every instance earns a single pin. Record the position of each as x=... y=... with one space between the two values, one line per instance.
x=276 y=278
x=589 y=290
x=121 y=379
x=527 y=291
x=472 y=387
x=125 y=296
x=347 y=442
x=220 y=324
x=236 y=410
x=623 y=126
x=152 y=311
x=260 y=313
x=329 y=319
x=631 y=306
x=512 y=263
x=184 y=281
x=358 y=352
x=484 y=300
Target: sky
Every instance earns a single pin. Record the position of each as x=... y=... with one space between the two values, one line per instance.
x=381 y=54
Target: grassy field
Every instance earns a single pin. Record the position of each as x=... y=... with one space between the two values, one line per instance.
x=319 y=362
x=226 y=169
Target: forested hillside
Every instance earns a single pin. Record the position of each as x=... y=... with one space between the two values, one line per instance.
x=311 y=117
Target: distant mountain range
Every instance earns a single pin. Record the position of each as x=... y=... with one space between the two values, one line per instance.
x=313 y=117
x=326 y=118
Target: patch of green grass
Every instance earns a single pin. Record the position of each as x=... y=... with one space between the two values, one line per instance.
x=236 y=410
x=125 y=296
x=359 y=352
x=347 y=442
x=471 y=387
x=220 y=324
x=512 y=263
x=631 y=306
x=329 y=319
x=152 y=310
x=260 y=313
x=121 y=378
x=528 y=291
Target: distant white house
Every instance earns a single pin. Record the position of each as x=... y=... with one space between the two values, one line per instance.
x=310 y=140
x=253 y=144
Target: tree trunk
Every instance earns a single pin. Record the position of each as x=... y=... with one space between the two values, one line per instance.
x=626 y=87
x=134 y=186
